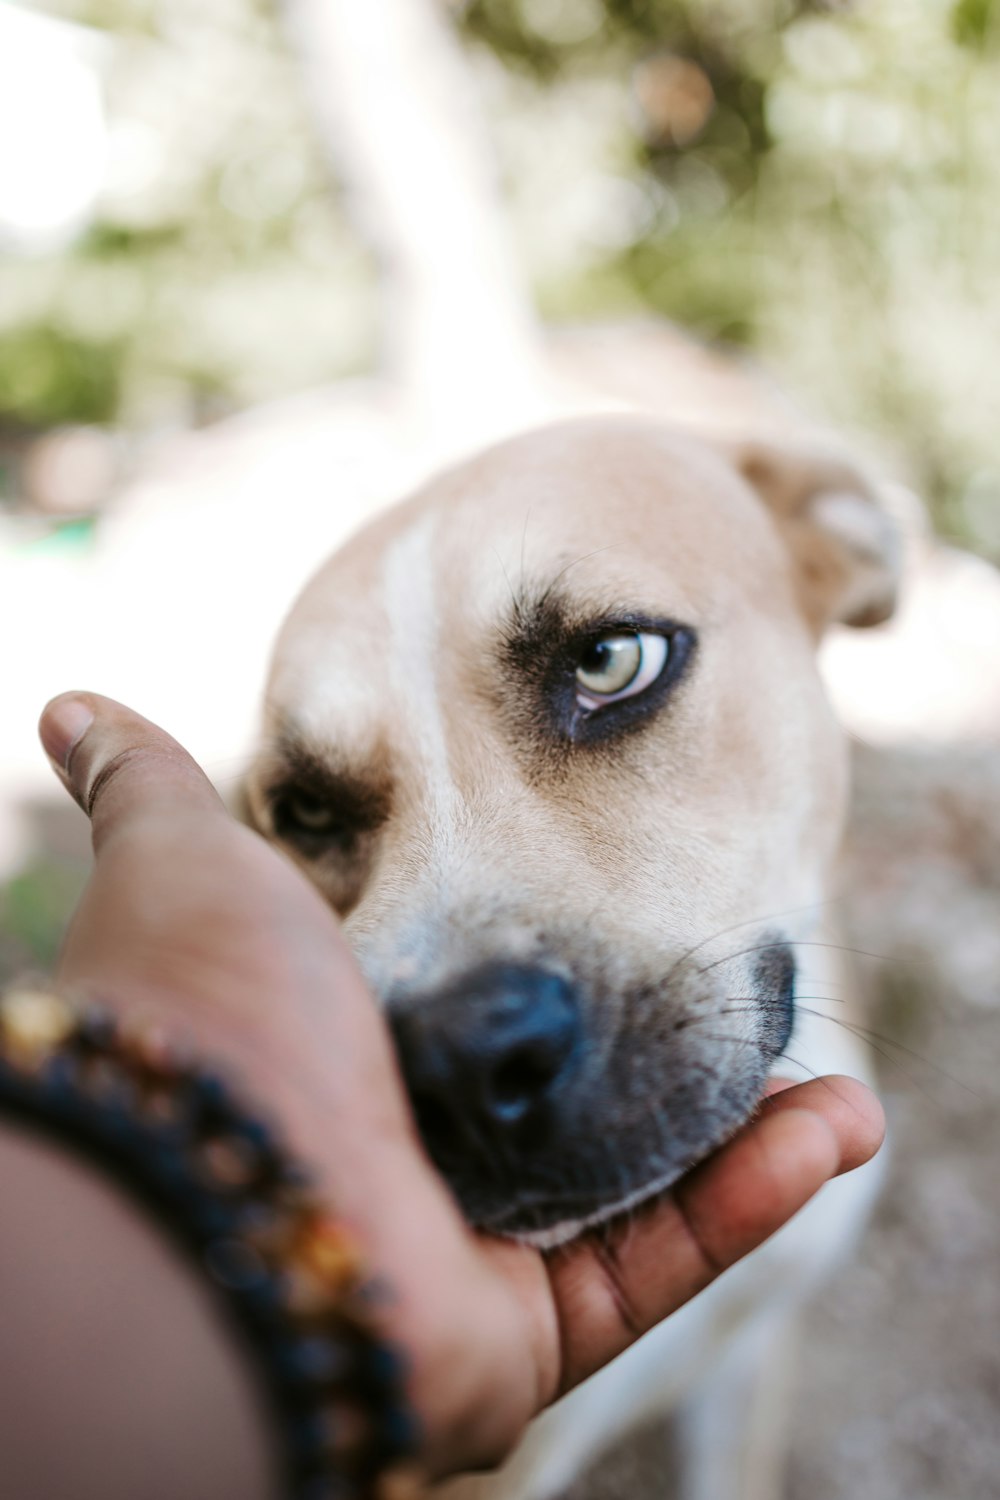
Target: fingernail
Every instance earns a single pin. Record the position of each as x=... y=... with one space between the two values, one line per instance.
x=63 y=725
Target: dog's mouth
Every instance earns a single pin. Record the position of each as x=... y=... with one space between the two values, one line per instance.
x=545 y=1129
x=577 y=1220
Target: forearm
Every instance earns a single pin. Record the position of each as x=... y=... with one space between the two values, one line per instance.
x=118 y=1377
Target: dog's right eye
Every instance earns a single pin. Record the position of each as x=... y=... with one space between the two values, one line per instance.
x=308 y=812
x=302 y=817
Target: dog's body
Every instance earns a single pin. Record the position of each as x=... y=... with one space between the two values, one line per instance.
x=550 y=737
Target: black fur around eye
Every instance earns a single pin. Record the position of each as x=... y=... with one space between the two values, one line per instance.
x=322 y=806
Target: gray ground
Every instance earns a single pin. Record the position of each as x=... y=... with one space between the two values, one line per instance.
x=899 y=1389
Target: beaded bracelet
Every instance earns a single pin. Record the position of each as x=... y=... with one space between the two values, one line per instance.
x=219 y=1181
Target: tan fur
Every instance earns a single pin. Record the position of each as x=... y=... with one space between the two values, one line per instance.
x=635 y=514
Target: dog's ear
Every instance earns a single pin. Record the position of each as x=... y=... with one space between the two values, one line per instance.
x=845 y=547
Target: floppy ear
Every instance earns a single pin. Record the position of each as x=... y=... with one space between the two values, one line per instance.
x=845 y=547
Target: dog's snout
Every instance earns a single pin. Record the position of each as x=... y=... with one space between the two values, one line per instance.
x=484 y=1060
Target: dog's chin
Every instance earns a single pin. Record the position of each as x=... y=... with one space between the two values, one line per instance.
x=563 y=1232
x=548 y=1226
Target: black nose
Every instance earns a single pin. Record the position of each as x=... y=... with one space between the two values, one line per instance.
x=484 y=1059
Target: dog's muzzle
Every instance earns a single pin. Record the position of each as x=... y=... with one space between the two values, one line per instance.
x=543 y=1117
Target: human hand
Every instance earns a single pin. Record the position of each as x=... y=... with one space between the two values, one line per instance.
x=195 y=922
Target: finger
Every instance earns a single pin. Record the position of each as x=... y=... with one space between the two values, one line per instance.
x=852 y=1109
x=778 y=1085
x=189 y=910
x=610 y=1292
x=117 y=764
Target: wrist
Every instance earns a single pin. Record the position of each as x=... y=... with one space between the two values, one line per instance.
x=120 y=1377
x=222 y=1185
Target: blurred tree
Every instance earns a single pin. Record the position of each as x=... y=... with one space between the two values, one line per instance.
x=218 y=267
x=816 y=180
x=976 y=23
x=812 y=178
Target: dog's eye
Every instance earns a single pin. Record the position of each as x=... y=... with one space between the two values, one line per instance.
x=619 y=665
x=302 y=812
x=309 y=812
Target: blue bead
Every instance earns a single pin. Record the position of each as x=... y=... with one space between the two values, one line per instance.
x=97 y=1029
x=213 y=1218
x=386 y=1364
x=398 y=1431
x=235 y=1265
x=309 y=1437
x=61 y=1074
x=268 y=1295
x=314 y=1361
x=210 y=1097
x=325 y=1487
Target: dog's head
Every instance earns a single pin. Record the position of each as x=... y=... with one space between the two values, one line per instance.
x=551 y=739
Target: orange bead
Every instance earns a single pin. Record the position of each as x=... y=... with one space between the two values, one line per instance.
x=328 y=1251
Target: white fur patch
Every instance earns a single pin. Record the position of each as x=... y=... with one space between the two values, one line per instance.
x=413 y=649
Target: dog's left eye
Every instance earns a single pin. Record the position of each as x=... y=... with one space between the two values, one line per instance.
x=619 y=665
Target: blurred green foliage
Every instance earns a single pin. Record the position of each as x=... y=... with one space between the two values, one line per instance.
x=818 y=181
x=218 y=268
x=35 y=907
x=974 y=23
x=835 y=204
x=49 y=376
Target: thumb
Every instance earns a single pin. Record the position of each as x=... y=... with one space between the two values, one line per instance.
x=117 y=765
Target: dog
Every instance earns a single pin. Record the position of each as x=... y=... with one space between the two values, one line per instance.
x=550 y=737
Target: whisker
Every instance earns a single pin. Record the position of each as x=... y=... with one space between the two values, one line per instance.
x=759 y=920
x=737 y=1041
x=876 y=1040
x=811 y=943
x=797 y=1063
x=524 y=538
x=867 y=1034
x=510 y=586
x=546 y=596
